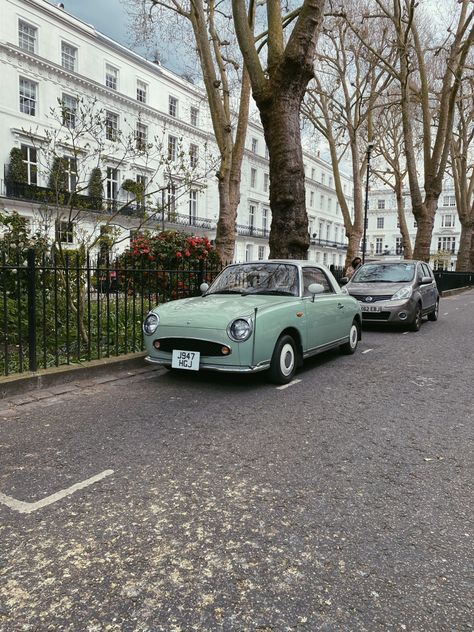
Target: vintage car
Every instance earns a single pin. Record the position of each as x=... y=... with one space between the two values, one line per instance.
x=256 y=316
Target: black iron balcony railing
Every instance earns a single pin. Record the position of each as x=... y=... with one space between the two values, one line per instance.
x=315 y=241
x=45 y=195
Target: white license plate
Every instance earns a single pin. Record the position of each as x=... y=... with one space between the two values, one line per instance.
x=185 y=360
x=370 y=308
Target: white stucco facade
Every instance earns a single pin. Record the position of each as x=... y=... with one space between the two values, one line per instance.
x=49 y=57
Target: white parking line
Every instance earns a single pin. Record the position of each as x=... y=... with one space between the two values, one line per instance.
x=405 y=333
x=367 y=350
x=445 y=313
x=280 y=388
x=24 y=507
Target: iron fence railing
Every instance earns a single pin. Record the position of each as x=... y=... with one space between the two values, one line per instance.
x=76 y=309
x=452 y=280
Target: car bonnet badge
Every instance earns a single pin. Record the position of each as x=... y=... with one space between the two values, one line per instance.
x=368 y=299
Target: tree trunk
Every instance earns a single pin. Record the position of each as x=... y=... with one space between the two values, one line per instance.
x=289 y=237
x=353 y=246
x=425 y=222
x=228 y=203
x=407 y=249
x=463 y=263
x=471 y=256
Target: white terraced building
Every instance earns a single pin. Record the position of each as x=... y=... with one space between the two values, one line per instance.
x=383 y=229
x=49 y=57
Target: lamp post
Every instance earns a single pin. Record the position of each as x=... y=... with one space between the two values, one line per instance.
x=366 y=207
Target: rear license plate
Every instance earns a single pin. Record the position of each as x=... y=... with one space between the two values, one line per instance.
x=185 y=360
x=370 y=308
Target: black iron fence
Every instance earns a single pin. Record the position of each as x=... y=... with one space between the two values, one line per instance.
x=452 y=280
x=57 y=312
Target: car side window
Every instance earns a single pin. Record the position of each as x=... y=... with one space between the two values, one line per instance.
x=315 y=275
x=426 y=270
x=419 y=274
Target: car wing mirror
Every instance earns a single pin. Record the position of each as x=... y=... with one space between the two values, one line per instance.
x=204 y=287
x=425 y=280
x=343 y=280
x=315 y=288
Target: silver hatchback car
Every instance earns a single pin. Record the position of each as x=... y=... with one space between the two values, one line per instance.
x=395 y=292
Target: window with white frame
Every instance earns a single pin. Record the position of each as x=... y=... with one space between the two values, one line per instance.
x=447 y=243
x=330 y=181
x=193 y=155
x=313 y=173
x=255 y=145
x=265 y=218
x=398 y=245
x=248 y=252
x=142 y=91
x=194 y=116
x=323 y=178
x=30 y=158
x=193 y=205
x=380 y=222
x=449 y=200
x=322 y=202
x=69 y=107
x=329 y=204
x=28 y=96
x=261 y=253
x=112 y=183
x=172 y=148
x=266 y=182
x=328 y=231
x=111 y=77
x=111 y=125
x=64 y=232
x=172 y=106
x=70 y=172
x=336 y=234
x=325 y=258
x=68 y=57
x=142 y=181
x=141 y=136
x=378 y=245
x=311 y=199
x=27 y=36
x=447 y=221
x=381 y=205
x=252 y=212
x=169 y=201
x=253 y=178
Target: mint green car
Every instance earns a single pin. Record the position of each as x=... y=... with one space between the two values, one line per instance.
x=256 y=316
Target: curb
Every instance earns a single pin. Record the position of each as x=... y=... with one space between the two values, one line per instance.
x=456 y=290
x=26 y=382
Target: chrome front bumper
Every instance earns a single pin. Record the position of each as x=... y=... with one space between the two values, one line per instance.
x=215 y=367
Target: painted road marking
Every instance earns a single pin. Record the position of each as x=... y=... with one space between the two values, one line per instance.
x=445 y=313
x=367 y=350
x=280 y=388
x=24 y=507
x=405 y=333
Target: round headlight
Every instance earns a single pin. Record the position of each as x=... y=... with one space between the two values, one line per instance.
x=150 y=324
x=240 y=329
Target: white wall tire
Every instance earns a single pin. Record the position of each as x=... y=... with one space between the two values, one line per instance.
x=283 y=364
x=354 y=334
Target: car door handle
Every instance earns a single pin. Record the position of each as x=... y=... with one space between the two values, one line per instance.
x=340 y=306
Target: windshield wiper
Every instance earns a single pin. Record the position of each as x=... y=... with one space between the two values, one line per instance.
x=271 y=292
x=225 y=292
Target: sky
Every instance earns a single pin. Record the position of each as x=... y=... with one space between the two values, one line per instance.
x=108 y=17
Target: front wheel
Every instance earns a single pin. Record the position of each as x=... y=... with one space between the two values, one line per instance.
x=416 y=322
x=350 y=347
x=283 y=364
x=433 y=316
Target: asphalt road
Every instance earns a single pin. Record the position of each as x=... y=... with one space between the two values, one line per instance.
x=160 y=502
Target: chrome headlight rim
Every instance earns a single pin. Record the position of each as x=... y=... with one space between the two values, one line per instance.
x=150 y=324
x=249 y=330
x=403 y=294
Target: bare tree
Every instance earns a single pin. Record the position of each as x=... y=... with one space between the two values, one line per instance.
x=340 y=104
x=393 y=170
x=462 y=164
x=429 y=70
x=278 y=88
x=210 y=36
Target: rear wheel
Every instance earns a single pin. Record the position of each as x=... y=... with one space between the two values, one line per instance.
x=433 y=316
x=416 y=322
x=283 y=364
x=354 y=334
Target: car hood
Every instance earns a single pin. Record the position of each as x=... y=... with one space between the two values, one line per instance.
x=213 y=311
x=375 y=289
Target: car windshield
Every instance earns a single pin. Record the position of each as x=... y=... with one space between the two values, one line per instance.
x=384 y=273
x=277 y=279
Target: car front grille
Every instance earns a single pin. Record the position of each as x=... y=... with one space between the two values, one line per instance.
x=375 y=315
x=205 y=347
x=373 y=299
